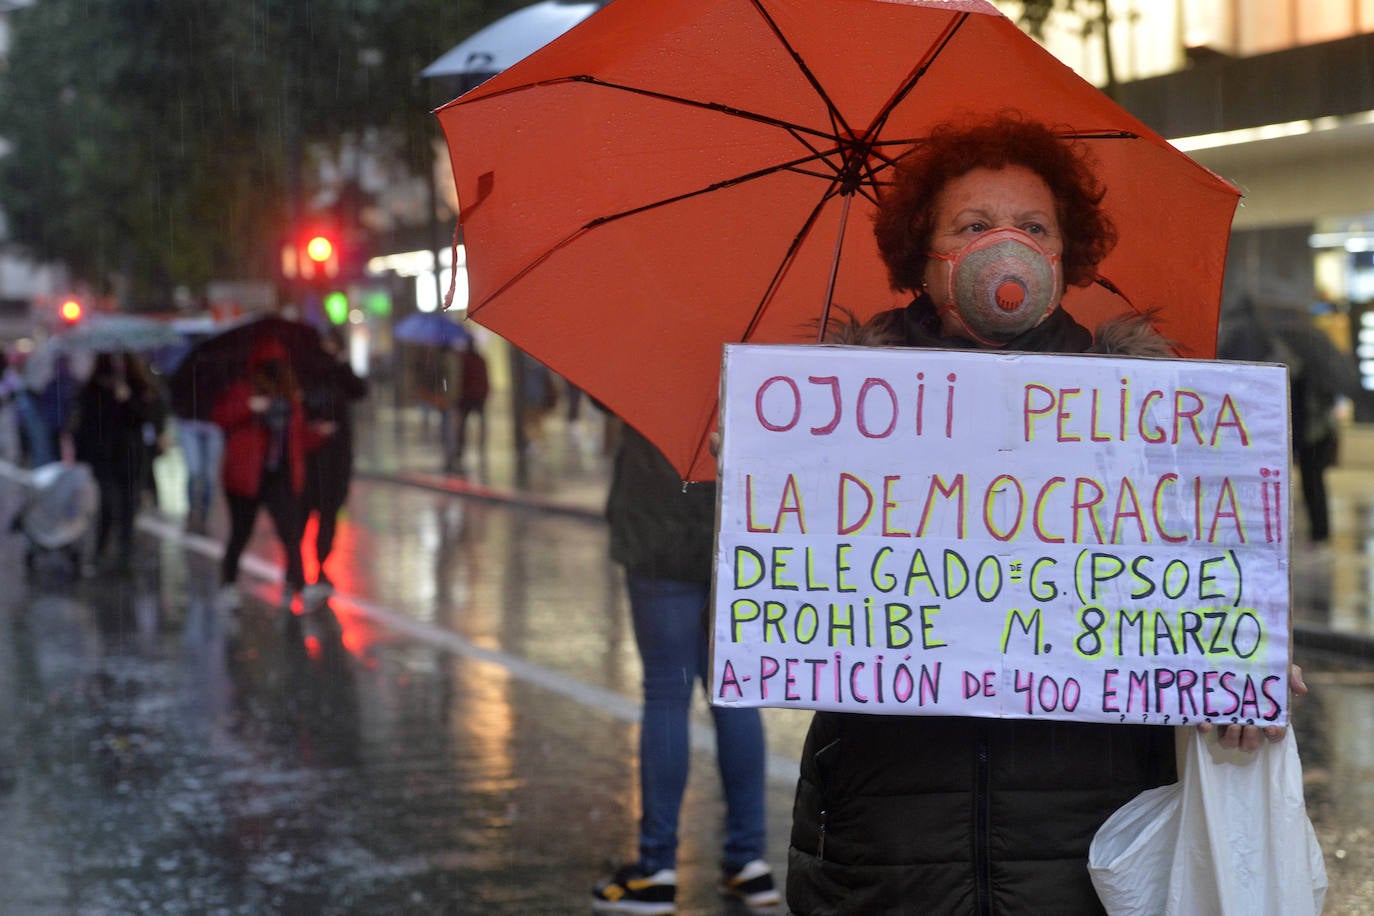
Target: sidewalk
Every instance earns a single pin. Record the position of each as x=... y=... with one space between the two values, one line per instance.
x=568 y=472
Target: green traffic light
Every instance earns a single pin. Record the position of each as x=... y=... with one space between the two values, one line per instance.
x=336 y=307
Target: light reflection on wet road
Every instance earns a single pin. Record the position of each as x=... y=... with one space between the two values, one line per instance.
x=151 y=758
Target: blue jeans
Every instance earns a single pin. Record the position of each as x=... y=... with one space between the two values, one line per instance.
x=202 y=448
x=671 y=632
x=40 y=441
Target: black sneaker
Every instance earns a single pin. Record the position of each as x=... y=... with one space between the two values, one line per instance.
x=630 y=890
x=752 y=884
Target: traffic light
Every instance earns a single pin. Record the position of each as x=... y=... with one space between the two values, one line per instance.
x=321 y=255
x=312 y=255
x=69 y=311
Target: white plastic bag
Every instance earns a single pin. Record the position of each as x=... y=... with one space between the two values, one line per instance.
x=1231 y=838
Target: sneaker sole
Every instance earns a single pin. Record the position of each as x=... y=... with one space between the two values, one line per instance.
x=764 y=902
x=635 y=907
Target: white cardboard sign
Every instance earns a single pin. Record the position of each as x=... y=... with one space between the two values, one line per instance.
x=935 y=532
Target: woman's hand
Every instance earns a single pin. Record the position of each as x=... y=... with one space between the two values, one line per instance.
x=259 y=403
x=1247 y=737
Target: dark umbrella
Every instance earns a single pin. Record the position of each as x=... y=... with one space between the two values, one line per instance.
x=221 y=359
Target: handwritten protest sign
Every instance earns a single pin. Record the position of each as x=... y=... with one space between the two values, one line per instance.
x=932 y=532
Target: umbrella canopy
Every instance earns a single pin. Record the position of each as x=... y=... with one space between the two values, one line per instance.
x=220 y=359
x=430 y=329
x=510 y=38
x=120 y=333
x=705 y=171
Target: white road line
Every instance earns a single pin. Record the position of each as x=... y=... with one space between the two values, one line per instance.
x=780 y=767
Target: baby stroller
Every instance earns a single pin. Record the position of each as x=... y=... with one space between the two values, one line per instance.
x=56 y=515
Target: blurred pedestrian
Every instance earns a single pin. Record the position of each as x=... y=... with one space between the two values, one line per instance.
x=202 y=450
x=265 y=443
x=1315 y=445
x=662 y=533
x=108 y=429
x=155 y=437
x=473 y=388
x=11 y=384
x=53 y=406
x=430 y=384
x=329 y=467
x=540 y=397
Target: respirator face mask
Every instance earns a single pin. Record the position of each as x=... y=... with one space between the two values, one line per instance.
x=1001 y=285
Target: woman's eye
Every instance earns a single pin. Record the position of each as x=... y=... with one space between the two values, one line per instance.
x=976 y=226
x=1034 y=228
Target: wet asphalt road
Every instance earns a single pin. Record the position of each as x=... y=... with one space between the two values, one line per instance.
x=456 y=735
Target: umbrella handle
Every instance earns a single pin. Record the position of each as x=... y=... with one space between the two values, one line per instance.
x=834 y=270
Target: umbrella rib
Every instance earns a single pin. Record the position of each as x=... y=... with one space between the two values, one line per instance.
x=835 y=115
x=1099 y=135
x=718 y=107
x=603 y=220
x=791 y=166
x=932 y=53
x=786 y=262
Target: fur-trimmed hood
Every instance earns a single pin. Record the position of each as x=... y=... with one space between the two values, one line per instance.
x=1131 y=335
x=1125 y=335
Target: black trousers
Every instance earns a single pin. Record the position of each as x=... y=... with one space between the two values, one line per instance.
x=120 y=490
x=328 y=475
x=1312 y=462
x=288 y=518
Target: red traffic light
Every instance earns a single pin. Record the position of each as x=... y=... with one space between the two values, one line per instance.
x=311 y=255
x=70 y=311
x=319 y=249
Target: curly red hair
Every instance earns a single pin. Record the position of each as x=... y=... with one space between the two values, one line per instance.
x=904 y=222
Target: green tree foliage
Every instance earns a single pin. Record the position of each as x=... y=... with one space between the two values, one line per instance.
x=167 y=143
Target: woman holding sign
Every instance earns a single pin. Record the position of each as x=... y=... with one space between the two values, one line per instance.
x=966 y=815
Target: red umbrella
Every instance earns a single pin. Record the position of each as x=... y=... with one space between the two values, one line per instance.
x=672 y=175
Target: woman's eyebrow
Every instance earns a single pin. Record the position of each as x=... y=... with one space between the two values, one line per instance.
x=970 y=212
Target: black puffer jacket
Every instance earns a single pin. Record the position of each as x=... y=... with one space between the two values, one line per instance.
x=661 y=528
x=951 y=815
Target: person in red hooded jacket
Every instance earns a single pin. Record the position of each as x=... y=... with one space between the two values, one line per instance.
x=265 y=442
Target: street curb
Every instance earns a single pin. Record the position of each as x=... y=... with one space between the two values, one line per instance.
x=459 y=486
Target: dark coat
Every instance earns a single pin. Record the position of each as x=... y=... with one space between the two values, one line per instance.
x=329 y=467
x=660 y=528
x=109 y=434
x=951 y=815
